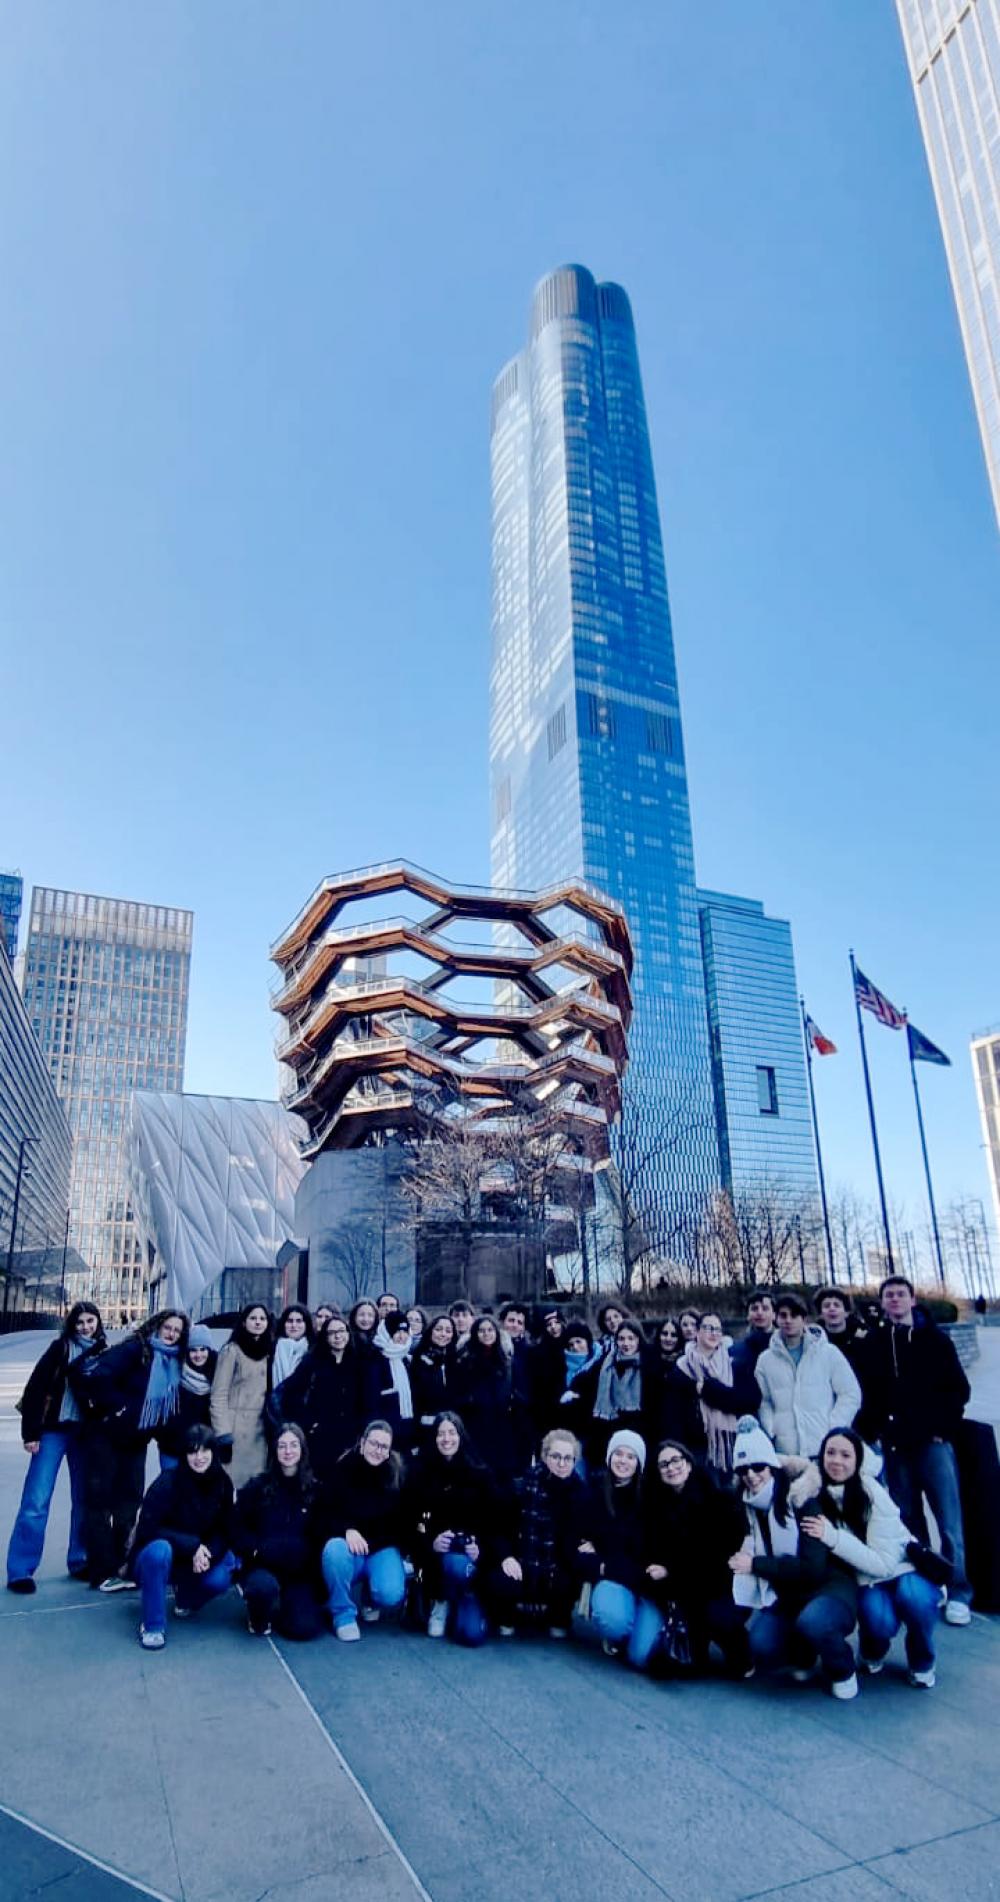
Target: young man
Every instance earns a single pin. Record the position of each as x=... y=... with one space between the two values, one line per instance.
x=806 y=1385
x=759 y=1335
x=841 y=1325
x=915 y=1395
x=463 y=1314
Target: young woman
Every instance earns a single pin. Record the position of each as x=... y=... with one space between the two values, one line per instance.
x=668 y=1344
x=321 y=1316
x=705 y=1361
x=609 y=1320
x=325 y=1395
x=541 y=1575
x=860 y=1524
x=51 y=1430
x=239 y=1393
x=672 y=1406
x=687 y=1324
x=484 y=1398
x=387 y=1378
x=617 y=1539
x=363 y=1321
x=193 y=1398
x=452 y=1506
x=362 y=1520
x=618 y=1390
x=275 y=1539
x=418 y=1328
x=386 y=1304
x=803 y=1600
x=184 y=1534
x=692 y=1528
x=295 y=1336
x=432 y=1372
x=128 y=1395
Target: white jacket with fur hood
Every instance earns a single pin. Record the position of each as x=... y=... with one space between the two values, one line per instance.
x=881 y=1554
x=801 y=1401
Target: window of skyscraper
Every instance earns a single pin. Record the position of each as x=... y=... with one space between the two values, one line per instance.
x=767 y=1090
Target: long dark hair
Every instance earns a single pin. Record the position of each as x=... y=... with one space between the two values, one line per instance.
x=69 y=1324
x=466 y=1455
x=305 y=1478
x=256 y=1346
x=393 y=1468
x=854 y=1511
x=295 y=1307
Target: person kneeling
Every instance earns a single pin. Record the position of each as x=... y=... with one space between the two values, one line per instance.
x=184 y=1537
x=277 y=1544
x=362 y=1517
x=541 y=1577
x=452 y=1503
x=618 y=1540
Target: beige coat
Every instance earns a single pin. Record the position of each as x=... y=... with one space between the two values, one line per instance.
x=239 y=1392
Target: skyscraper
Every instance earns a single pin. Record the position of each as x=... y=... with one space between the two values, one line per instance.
x=758 y=1064
x=586 y=754
x=985 y=1048
x=35 y=1153
x=11 y=896
x=106 y=990
x=953 y=52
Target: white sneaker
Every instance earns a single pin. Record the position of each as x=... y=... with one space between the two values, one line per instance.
x=151 y=1640
x=348 y=1634
x=845 y=1687
x=182 y=1611
x=117 y=1584
x=558 y=1631
x=923 y=1680
x=438 y=1619
x=370 y=1614
x=505 y=1631
x=872 y=1666
x=956 y=1612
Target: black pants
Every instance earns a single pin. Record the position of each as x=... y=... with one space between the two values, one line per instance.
x=290 y=1605
x=723 y=1623
x=113 y=1483
x=509 y=1601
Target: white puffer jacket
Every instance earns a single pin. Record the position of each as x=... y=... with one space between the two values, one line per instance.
x=881 y=1554
x=800 y=1403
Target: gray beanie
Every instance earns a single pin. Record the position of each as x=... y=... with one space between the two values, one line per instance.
x=753 y=1448
x=200 y=1336
x=632 y=1442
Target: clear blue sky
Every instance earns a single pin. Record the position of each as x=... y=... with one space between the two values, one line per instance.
x=261 y=264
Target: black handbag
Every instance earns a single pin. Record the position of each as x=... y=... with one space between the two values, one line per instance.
x=675 y=1639
x=930 y=1564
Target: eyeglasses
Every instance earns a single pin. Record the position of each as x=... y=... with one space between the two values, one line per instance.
x=711 y=1327
x=380 y=1446
x=561 y=1459
x=666 y=1466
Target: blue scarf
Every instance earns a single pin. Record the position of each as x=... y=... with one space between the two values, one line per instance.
x=162 y=1385
x=575 y=1363
x=68 y=1409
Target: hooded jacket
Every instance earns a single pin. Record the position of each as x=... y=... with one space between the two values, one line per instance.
x=801 y=1402
x=914 y=1384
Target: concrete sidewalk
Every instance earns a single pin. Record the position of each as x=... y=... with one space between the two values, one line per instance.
x=532 y=1770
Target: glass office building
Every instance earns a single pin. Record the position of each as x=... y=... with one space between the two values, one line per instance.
x=758 y=1061
x=586 y=752
x=953 y=53
x=985 y=1047
x=11 y=896
x=106 y=990
x=36 y=1149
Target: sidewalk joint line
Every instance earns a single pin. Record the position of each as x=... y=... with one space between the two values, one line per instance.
x=108 y=1869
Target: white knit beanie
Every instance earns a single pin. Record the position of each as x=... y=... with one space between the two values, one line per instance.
x=753 y=1448
x=632 y=1442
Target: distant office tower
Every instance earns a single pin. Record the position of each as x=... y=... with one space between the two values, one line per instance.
x=758 y=1062
x=36 y=1148
x=11 y=895
x=106 y=989
x=986 y=1070
x=953 y=50
x=586 y=755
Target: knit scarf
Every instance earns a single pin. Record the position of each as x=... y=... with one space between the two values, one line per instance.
x=395 y=1351
x=576 y=1363
x=538 y=1536
x=720 y=1427
x=193 y=1381
x=68 y=1409
x=769 y=1538
x=162 y=1385
x=619 y=1387
x=287 y=1355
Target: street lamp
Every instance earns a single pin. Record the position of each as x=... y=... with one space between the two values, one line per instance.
x=22 y=1146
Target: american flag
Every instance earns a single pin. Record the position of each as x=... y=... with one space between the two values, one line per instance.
x=871 y=998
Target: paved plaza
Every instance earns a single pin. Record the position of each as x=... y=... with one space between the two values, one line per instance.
x=232 y=1770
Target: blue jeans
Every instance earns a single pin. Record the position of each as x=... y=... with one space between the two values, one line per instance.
x=719 y=1622
x=613 y=1611
x=932 y=1470
x=910 y=1601
x=467 y=1621
x=28 y=1537
x=787 y=1637
x=156 y=1565
x=382 y=1572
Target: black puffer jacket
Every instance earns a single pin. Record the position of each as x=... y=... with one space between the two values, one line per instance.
x=277 y=1527
x=363 y=1498
x=326 y=1399
x=43 y=1395
x=188 y=1509
x=694 y=1533
x=913 y=1386
x=111 y=1390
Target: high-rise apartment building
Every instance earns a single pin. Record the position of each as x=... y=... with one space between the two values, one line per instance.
x=106 y=990
x=11 y=897
x=953 y=52
x=758 y=1062
x=586 y=754
x=36 y=1149
x=985 y=1049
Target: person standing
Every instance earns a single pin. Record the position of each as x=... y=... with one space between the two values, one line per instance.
x=842 y=1327
x=239 y=1393
x=324 y=1395
x=915 y=1393
x=484 y=1398
x=128 y=1395
x=806 y=1385
x=194 y=1396
x=706 y=1362
x=52 y=1431
x=745 y=1353
x=294 y=1338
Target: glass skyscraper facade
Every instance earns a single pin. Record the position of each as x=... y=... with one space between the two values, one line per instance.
x=586 y=752
x=11 y=897
x=953 y=52
x=36 y=1146
x=985 y=1049
x=758 y=1061
x=106 y=990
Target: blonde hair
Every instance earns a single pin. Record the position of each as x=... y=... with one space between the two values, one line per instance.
x=560 y=1433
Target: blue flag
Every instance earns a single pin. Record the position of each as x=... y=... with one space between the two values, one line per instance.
x=922 y=1050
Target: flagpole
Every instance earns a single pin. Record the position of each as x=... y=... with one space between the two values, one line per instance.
x=871 y=1119
x=927 y=1166
x=819 y=1153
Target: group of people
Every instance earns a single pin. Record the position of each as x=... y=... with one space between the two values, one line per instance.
x=764 y=1498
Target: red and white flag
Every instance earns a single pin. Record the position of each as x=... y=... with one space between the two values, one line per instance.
x=822 y=1045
